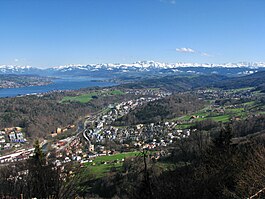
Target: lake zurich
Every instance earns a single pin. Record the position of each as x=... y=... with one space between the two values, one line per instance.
x=65 y=83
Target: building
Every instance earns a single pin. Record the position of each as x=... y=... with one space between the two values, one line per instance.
x=12 y=136
x=91 y=147
x=59 y=130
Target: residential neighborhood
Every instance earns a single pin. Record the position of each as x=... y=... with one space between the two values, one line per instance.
x=11 y=137
x=98 y=136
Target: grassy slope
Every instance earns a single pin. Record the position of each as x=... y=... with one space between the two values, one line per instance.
x=84 y=98
x=99 y=169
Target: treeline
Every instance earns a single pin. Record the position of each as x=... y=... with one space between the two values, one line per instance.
x=166 y=108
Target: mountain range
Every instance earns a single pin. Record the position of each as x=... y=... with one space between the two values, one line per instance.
x=141 y=67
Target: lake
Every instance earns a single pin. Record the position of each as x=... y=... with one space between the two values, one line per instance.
x=65 y=83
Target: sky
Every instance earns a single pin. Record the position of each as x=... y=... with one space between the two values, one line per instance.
x=45 y=33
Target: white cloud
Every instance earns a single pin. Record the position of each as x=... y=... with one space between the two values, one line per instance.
x=205 y=54
x=185 y=50
x=16 y=60
x=190 y=50
x=168 y=1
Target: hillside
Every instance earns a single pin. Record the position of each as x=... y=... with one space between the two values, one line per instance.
x=178 y=83
x=162 y=109
x=253 y=80
x=40 y=115
x=16 y=81
x=183 y=83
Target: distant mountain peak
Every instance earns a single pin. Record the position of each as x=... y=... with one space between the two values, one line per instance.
x=139 y=66
x=15 y=69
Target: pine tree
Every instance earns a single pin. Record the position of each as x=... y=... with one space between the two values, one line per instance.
x=38 y=154
x=42 y=177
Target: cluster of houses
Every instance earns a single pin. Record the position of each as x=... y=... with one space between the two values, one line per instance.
x=62 y=130
x=11 y=137
x=18 y=155
x=115 y=112
x=67 y=150
x=213 y=94
x=149 y=92
x=151 y=136
x=99 y=131
x=224 y=101
x=75 y=149
x=140 y=136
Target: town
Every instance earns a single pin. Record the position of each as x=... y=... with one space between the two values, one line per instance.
x=98 y=136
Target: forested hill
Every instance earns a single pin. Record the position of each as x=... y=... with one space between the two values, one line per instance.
x=16 y=81
x=166 y=108
x=184 y=83
x=178 y=83
x=253 y=80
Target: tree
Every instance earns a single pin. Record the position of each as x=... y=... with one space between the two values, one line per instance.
x=43 y=178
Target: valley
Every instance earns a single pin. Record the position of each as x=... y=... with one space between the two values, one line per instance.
x=103 y=129
x=147 y=99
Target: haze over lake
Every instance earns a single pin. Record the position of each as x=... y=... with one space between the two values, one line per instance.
x=65 y=83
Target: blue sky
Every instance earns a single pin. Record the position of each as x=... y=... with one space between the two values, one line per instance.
x=47 y=33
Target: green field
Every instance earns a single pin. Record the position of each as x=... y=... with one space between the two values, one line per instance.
x=183 y=126
x=206 y=114
x=220 y=118
x=80 y=98
x=240 y=89
x=251 y=103
x=84 y=98
x=116 y=92
x=101 y=170
x=118 y=156
x=103 y=164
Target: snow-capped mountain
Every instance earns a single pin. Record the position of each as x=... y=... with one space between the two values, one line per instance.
x=159 y=65
x=152 y=67
x=10 y=69
x=140 y=67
